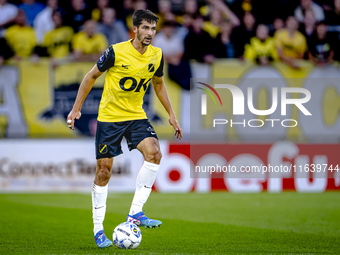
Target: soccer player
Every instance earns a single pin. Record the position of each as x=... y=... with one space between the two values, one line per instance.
x=130 y=67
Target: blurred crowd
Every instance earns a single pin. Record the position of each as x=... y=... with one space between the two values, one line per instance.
x=262 y=31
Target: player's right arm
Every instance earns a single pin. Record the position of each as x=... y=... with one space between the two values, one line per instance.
x=105 y=62
x=84 y=89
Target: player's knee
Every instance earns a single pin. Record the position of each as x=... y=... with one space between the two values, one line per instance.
x=103 y=172
x=158 y=156
x=154 y=155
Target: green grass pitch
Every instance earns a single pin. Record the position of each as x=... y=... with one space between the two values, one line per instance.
x=214 y=223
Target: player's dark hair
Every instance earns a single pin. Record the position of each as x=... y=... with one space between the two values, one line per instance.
x=140 y=15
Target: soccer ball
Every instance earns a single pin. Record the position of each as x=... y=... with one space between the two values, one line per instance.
x=127 y=236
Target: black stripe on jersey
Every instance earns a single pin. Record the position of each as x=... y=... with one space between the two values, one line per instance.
x=106 y=60
x=159 y=72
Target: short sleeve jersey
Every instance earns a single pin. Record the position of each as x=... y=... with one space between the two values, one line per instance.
x=21 y=40
x=94 y=45
x=256 y=49
x=127 y=78
x=292 y=47
x=58 y=41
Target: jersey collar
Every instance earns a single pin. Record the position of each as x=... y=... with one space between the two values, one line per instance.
x=136 y=51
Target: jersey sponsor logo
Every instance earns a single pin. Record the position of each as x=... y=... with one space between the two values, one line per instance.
x=134 y=86
x=151 y=68
x=102 y=148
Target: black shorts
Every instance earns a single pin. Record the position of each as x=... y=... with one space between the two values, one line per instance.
x=110 y=134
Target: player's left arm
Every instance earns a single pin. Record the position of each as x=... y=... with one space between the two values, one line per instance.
x=163 y=96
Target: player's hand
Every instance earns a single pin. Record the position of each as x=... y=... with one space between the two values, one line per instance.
x=174 y=122
x=71 y=117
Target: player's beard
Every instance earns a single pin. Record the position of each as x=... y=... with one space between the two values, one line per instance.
x=141 y=39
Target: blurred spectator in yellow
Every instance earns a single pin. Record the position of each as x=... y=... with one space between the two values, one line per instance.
x=5 y=51
x=20 y=37
x=309 y=5
x=172 y=45
x=97 y=13
x=113 y=29
x=219 y=12
x=198 y=44
x=308 y=26
x=43 y=23
x=224 y=45
x=243 y=33
x=87 y=44
x=8 y=12
x=261 y=49
x=212 y=25
x=31 y=9
x=58 y=41
x=321 y=46
x=77 y=15
x=290 y=43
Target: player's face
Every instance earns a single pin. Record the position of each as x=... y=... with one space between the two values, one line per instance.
x=145 y=32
